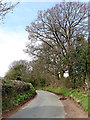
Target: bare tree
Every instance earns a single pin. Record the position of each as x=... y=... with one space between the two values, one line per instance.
x=58 y=27
x=5 y=7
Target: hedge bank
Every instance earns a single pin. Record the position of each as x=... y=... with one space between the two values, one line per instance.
x=14 y=92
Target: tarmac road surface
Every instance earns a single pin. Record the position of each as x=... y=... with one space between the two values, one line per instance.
x=45 y=105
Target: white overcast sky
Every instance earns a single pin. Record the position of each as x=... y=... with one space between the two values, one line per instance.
x=13 y=36
x=11 y=48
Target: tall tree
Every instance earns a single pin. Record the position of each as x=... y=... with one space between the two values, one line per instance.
x=58 y=27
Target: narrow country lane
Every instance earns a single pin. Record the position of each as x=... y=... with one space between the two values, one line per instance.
x=45 y=105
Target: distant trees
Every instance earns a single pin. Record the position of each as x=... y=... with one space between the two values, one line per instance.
x=57 y=37
x=5 y=7
x=40 y=75
x=19 y=70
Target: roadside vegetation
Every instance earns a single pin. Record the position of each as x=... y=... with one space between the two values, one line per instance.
x=0 y=97
x=89 y=103
x=15 y=92
x=78 y=95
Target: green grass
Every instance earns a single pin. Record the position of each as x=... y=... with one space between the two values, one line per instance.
x=89 y=104
x=76 y=94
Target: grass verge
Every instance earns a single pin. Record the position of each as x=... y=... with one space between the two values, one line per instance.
x=76 y=94
x=89 y=104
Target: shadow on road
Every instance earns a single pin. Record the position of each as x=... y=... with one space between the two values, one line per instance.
x=40 y=112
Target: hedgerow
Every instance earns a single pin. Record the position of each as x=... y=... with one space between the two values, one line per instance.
x=15 y=92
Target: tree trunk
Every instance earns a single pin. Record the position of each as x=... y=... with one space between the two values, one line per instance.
x=61 y=73
x=69 y=72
